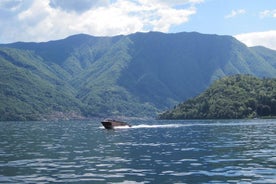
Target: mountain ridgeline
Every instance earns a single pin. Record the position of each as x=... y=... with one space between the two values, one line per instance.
x=232 y=97
x=139 y=74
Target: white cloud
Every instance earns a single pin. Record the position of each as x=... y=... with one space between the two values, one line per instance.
x=51 y=19
x=175 y=2
x=11 y=5
x=266 y=39
x=268 y=13
x=78 y=6
x=235 y=13
x=170 y=17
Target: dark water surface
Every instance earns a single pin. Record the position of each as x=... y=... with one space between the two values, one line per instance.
x=149 y=152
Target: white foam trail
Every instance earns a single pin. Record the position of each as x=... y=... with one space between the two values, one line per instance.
x=158 y=126
x=122 y=127
x=150 y=126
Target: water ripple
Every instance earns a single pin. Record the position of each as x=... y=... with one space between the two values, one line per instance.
x=148 y=152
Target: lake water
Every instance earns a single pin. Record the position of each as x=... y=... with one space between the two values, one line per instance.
x=242 y=151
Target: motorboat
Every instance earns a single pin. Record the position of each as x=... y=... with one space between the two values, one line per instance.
x=111 y=124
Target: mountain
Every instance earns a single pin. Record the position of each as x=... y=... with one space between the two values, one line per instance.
x=266 y=54
x=139 y=74
x=29 y=88
x=232 y=97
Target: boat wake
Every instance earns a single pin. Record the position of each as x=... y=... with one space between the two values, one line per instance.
x=179 y=125
x=150 y=126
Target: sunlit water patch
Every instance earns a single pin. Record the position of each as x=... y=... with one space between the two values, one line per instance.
x=148 y=152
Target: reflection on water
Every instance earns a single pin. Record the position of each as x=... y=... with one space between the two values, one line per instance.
x=148 y=152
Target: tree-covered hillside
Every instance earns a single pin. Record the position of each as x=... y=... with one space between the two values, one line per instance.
x=29 y=89
x=133 y=75
x=166 y=69
x=239 y=96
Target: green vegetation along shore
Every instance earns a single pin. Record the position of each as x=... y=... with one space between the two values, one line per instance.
x=233 y=97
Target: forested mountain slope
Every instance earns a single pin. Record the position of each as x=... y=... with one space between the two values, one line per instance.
x=133 y=75
x=239 y=96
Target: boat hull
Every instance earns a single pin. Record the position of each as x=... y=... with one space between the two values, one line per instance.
x=111 y=124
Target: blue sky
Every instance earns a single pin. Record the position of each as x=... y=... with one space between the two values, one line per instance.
x=232 y=17
x=251 y=21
